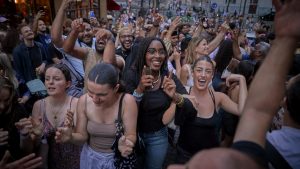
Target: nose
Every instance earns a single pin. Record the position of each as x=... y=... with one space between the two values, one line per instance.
x=2 y=106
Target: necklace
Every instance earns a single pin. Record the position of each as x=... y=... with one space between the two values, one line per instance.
x=55 y=114
x=154 y=82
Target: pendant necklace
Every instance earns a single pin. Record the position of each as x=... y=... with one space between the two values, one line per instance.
x=154 y=82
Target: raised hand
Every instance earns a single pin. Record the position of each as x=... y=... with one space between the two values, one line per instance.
x=169 y=85
x=176 y=22
x=69 y=120
x=77 y=25
x=24 y=125
x=27 y=162
x=104 y=34
x=234 y=78
x=125 y=146
x=285 y=23
x=146 y=79
x=3 y=137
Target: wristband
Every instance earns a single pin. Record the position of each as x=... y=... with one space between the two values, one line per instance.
x=137 y=96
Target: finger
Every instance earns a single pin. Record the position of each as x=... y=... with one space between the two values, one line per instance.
x=3 y=143
x=144 y=70
x=164 y=81
x=33 y=163
x=21 y=161
x=129 y=143
x=170 y=76
x=123 y=139
x=6 y=157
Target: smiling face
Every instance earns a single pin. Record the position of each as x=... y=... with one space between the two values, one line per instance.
x=55 y=81
x=87 y=35
x=155 y=55
x=202 y=48
x=126 y=39
x=202 y=74
x=101 y=94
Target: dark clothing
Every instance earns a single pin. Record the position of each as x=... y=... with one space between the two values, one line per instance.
x=153 y=104
x=255 y=151
x=197 y=133
x=129 y=56
x=7 y=123
x=27 y=59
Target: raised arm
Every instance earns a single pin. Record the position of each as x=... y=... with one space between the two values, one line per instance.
x=218 y=39
x=226 y=103
x=57 y=25
x=109 y=55
x=267 y=88
x=36 y=22
x=69 y=44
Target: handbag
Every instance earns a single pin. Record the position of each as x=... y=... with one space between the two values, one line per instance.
x=120 y=162
x=37 y=88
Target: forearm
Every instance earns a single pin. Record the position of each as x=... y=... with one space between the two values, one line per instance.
x=69 y=44
x=35 y=26
x=198 y=31
x=26 y=144
x=78 y=139
x=56 y=29
x=260 y=107
x=109 y=55
x=169 y=114
x=215 y=43
x=243 y=92
x=236 y=50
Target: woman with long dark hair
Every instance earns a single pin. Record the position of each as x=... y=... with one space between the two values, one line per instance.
x=145 y=81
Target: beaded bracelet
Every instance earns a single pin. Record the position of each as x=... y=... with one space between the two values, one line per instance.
x=137 y=96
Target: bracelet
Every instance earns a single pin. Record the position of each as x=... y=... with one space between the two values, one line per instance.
x=137 y=96
x=180 y=102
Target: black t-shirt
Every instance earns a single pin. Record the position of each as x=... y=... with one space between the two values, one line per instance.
x=255 y=151
x=7 y=123
x=153 y=104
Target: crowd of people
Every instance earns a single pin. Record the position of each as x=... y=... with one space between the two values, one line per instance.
x=92 y=94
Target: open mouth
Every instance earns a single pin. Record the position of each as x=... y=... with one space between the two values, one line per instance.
x=202 y=82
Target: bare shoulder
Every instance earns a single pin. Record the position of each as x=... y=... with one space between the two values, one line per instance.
x=129 y=99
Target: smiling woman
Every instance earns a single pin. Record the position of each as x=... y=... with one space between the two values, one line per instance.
x=198 y=118
x=146 y=81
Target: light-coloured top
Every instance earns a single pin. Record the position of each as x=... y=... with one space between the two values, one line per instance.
x=102 y=136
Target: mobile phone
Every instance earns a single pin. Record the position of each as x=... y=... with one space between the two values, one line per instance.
x=148 y=71
x=92 y=14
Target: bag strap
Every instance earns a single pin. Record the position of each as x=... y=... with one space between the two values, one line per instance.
x=73 y=69
x=275 y=158
x=120 y=109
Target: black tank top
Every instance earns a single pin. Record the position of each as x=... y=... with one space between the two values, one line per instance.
x=199 y=133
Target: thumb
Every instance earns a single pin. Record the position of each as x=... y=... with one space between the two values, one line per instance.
x=170 y=76
x=122 y=139
x=144 y=70
x=6 y=157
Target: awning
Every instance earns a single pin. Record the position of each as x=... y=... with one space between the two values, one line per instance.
x=112 y=5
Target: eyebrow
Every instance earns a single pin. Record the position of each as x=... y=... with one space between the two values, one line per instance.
x=98 y=94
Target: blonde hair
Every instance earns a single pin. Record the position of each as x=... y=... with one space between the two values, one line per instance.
x=191 y=49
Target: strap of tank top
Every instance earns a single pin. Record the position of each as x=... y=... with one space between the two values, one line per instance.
x=213 y=98
x=120 y=108
x=71 y=103
x=85 y=105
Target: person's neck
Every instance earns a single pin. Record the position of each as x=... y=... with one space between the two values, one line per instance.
x=198 y=93
x=29 y=43
x=58 y=99
x=99 y=54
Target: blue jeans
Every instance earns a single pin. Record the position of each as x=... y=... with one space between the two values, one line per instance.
x=156 y=146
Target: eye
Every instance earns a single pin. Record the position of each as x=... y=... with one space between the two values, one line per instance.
x=161 y=52
x=151 y=51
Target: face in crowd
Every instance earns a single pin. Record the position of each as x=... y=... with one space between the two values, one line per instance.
x=155 y=55
x=57 y=80
x=27 y=33
x=126 y=38
x=203 y=72
x=87 y=35
x=42 y=26
x=103 y=84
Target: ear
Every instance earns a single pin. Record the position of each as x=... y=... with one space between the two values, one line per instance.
x=68 y=84
x=116 y=88
x=21 y=37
